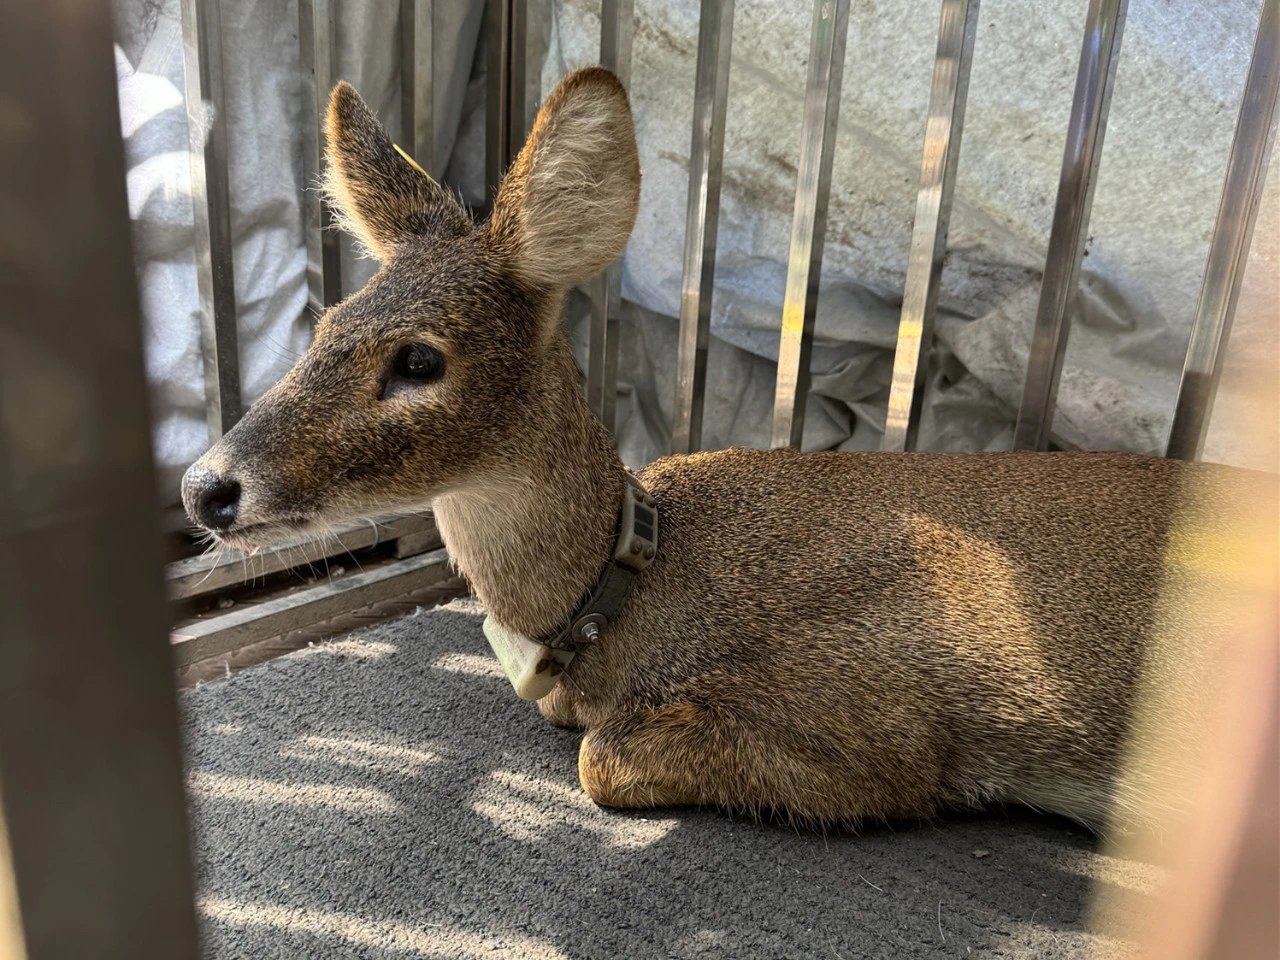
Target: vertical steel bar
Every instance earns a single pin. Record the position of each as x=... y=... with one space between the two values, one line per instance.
x=1232 y=235
x=90 y=759
x=498 y=105
x=702 y=220
x=515 y=38
x=529 y=28
x=957 y=29
x=809 y=222
x=617 y=31
x=316 y=37
x=518 y=81
x=617 y=28
x=417 y=90
x=1099 y=55
x=211 y=209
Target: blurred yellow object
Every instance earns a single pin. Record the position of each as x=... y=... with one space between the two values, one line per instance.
x=10 y=922
x=1216 y=736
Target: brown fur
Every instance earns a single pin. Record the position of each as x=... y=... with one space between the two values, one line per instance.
x=832 y=636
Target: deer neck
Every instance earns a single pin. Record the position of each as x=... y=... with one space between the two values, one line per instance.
x=532 y=535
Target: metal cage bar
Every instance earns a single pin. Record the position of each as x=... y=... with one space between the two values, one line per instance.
x=316 y=31
x=706 y=165
x=417 y=81
x=514 y=41
x=809 y=222
x=90 y=758
x=1099 y=55
x=957 y=28
x=211 y=212
x=617 y=29
x=1232 y=235
x=498 y=91
x=519 y=116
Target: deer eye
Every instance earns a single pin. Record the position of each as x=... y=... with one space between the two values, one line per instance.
x=418 y=362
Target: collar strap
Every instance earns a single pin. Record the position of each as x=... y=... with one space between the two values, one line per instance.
x=635 y=545
x=534 y=666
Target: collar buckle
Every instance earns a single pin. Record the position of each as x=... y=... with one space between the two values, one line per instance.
x=635 y=546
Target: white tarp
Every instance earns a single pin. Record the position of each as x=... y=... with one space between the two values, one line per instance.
x=1177 y=93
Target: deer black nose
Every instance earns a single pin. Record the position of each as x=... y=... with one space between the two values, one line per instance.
x=211 y=500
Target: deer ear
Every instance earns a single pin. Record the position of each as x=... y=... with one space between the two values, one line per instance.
x=379 y=194
x=566 y=207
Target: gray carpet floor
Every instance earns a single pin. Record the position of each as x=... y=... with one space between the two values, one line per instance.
x=386 y=796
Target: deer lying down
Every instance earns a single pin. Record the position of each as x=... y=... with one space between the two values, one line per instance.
x=829 y=636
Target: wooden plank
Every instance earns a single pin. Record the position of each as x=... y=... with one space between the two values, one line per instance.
x=210 y=573
x=224 y=665
x=253 y=623
x=412 y=544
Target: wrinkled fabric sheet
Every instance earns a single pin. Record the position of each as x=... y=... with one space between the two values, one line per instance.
x=1172 y=118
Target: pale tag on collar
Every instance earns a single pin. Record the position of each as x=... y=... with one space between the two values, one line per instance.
x=533 y=668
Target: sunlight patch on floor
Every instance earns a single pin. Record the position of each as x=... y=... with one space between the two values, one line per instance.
x=1131 y=876
x=360 y=649
x=217 y=786
x=361 y=754
x=427 y=938
x=527 y=809
x=469 y=663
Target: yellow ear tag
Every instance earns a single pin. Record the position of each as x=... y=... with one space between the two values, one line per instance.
x=414 y=163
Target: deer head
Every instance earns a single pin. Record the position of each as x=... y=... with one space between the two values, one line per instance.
x=450 y=365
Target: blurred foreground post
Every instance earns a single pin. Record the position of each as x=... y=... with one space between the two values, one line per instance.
x=98 y=861
x=1219 y=733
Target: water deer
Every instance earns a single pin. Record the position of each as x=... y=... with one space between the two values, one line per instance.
x=825 y=636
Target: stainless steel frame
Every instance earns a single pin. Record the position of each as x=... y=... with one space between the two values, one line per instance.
x=1232 y=235
x=498 y=103
x=702 y=220
x=417 y=87
x=515 y=45
x=957 y=29
x=316 y=28
x=617 y=27
x=211 y=573
x=1099 y=56
x=514 y=39
x=525 y=74
x=1100 y=51
x=242 y=626
x=809 y=223
x=211 y=208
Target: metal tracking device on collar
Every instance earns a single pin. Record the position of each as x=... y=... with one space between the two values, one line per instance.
x=534 y=666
